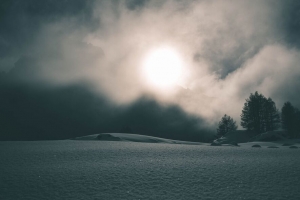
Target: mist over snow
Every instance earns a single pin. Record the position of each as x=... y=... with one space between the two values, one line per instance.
x=229 y=49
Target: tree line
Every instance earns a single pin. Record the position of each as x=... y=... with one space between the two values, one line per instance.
x=260 y=115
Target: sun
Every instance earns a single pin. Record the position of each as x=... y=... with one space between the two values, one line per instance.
x=162 y=67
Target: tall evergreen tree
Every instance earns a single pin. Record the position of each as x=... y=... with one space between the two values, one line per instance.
x=271 y=116
x=252 y=113
x=297 y=123
x=287 y=117
x=290 y=120
x=259 y=114
x=225 y=125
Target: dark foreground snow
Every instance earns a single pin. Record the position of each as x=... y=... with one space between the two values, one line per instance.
x=126 y=170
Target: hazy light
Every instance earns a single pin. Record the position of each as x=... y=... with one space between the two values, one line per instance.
x=162 y=67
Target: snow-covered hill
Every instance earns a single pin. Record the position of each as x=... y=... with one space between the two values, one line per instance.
x=132 y=138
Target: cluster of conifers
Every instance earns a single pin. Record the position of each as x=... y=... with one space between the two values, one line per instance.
x=260 y=115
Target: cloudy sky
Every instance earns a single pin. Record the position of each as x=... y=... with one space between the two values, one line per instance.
x=219 y=51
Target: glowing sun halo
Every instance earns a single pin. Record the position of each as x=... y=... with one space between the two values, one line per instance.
x=162 y=67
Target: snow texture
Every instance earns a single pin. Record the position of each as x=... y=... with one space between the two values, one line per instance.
x=77 y=169
x=132 y=138
x=243 y=136
x=238 y=136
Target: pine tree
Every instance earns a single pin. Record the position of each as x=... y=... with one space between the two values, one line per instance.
x=297 y=123
x=252 y=113
x=290 y=119
x=225 y=125
x=271 y=116
x=287 y=117
x=259 y=114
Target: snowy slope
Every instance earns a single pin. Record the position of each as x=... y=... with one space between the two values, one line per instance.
x=242 y=136
x=76 y=169
x=132 y=138
x=239 y=136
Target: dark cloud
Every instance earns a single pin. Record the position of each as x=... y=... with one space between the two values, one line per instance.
x=89 y=52
x=22 y=21
x=289 y=22
x=135 y=4
x=26 y=69
x=38 y=112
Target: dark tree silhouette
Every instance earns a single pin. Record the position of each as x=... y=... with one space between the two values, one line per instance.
x=271 y=117
x=290 y=119
x=252 y=113
x=225 y=125
x=259 y=114
x=287 y=117
x=297 y=123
